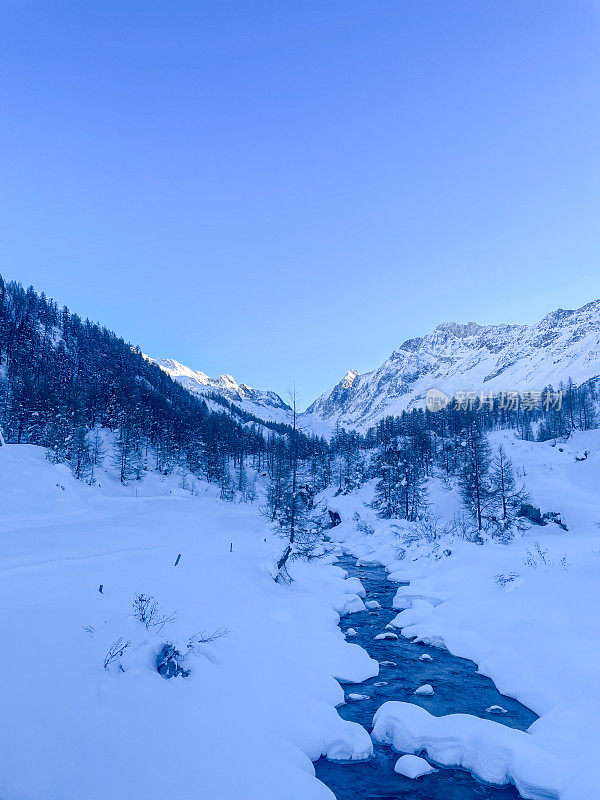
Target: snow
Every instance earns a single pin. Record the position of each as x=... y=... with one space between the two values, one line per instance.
x=355 y=586
x=426 y=690
x=355 y=697
x=386 y=635
x=465 y=357
x=417 y=610
x=413 y=767
x=261 y=403
x=372 y=604
x=425 y=657
x=259 y=703
x=494 y=753
x=263 y=696
x=528 y=623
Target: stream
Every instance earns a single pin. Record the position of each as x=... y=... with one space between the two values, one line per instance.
x=459 y=688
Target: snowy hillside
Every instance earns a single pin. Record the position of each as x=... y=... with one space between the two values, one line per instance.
x=469 y=357
x=261 y=403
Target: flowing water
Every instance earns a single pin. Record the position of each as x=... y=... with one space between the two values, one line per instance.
x=459 y=688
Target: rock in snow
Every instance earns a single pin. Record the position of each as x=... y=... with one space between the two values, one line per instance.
x=168 y=663
x=425 y=657
x=387 y=664
x=354 y=697
x=496 y=710
x=413 y=767
x=426 y=690
x=372 y=604
x=381 y=683
x=351 y=632
x=387 y=635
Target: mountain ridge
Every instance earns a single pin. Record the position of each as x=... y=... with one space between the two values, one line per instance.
x=465 y=357
x=455 y=356
x=262 y=403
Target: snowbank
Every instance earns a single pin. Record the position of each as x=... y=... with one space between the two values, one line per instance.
x=494 y=753
x=259 y=703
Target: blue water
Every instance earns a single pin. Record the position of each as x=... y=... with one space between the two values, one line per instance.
x=459 y=688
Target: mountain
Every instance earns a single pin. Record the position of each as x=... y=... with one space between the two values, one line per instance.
x=465 y=357
x=87 y=396
x=260 y=403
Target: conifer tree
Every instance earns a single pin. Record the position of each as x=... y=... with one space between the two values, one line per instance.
x=474 y=478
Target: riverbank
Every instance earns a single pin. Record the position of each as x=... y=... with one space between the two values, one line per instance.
x=404 y=667
x=523 y=612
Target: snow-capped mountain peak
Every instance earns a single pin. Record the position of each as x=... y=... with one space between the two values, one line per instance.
x=264 y=404
x=466 y=357
x=454 y=357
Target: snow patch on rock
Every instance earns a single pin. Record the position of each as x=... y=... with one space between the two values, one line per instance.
x=426 y=690
x=413 y=767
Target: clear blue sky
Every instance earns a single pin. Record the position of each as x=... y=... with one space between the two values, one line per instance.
x=284 y=190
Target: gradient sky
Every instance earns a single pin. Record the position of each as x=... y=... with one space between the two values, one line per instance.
x=285 y=190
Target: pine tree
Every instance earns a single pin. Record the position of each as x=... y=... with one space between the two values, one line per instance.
x=80 y=456
x=400 y=491
x=97 y=448
x=278 y=479
x=507 y=498
x=124 y=456
x=474 y=479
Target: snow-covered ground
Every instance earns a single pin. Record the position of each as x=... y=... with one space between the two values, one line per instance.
x=526 y=613
x=259 y=703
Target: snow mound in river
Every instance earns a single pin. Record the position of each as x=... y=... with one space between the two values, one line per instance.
x=413 y=767
x=492 y=752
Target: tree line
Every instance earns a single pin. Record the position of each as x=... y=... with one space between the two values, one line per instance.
x=400 y=452
x=64 y=380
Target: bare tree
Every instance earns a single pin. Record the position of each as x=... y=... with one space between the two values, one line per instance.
x=293 y=499
x=504 y=487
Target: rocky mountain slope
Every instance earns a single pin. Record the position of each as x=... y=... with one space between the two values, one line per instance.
x=466 y=357
x=261 y=403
